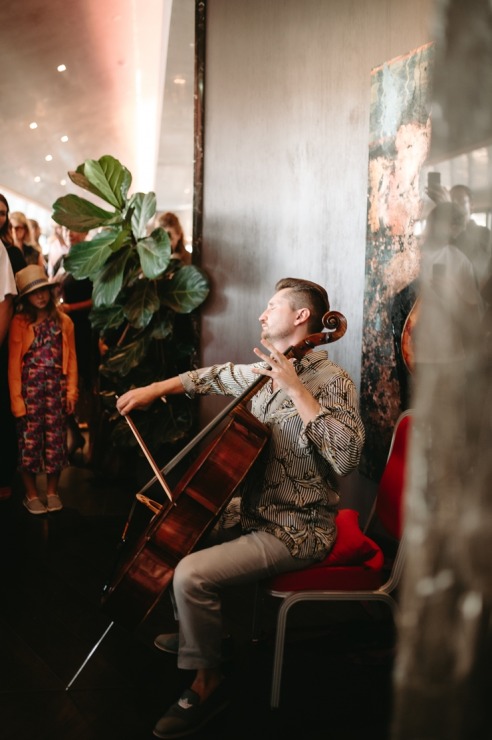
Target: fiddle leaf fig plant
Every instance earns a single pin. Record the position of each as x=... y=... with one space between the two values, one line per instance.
x=142 y=298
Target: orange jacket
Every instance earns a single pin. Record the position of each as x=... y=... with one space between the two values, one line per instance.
x=21 y=336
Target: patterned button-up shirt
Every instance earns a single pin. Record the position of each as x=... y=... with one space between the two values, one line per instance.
x=292 y=491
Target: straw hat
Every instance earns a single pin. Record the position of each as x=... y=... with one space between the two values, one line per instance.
x=31 y=278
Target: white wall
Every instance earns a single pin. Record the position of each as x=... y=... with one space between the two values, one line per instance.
x=286 y=153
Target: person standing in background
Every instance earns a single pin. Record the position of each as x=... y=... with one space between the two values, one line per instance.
x=14 y=259
x=43 y=385
x=15 y=255
x=36 y=233
x=7 y=291
x=21 y=236
x=9 y=440
x=57 y=249
x=172 y=226
x=473 y=240
x=75 y=298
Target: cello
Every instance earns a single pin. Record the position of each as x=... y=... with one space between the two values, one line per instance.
x=198 y=499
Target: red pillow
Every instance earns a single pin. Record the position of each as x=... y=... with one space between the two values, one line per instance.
x=352 y=546
x=354 y=563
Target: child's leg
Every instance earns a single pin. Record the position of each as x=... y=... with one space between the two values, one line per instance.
x=32 y=502
x=55 y=420
x=30 y=433
x=29 y=480
x=53 y=502
x=52 y=483
x=55 y=450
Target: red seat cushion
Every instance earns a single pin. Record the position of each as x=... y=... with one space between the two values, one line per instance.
x=389 y=506
x=355 y=562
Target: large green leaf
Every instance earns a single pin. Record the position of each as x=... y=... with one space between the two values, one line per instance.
x=109 y=179
x=143 y=209
x=186 y=290
x=138 y=286
x=155 y=253
x=108 y=283
x=78 y=214
x=107 y=317
x=142 y=304
x=79 y=179
x=121 y=237
x=162 y=325
x=121 y=359
x=86 y=259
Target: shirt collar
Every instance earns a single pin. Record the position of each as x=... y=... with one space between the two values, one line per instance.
x=312 y=358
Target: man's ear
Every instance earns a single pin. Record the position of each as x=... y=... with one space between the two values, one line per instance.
x=302 y=316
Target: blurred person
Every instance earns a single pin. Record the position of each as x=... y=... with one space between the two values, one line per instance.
x=43 y=385
x=11 y=257
x=172 y=226
x=75 y=299
x=21 y=236
x=36 y=234
x=57 y=249
x=473 y=240
x=447 y=329
x=451 y=303
x=9 y=439
x=7 y=291
x=15 y=255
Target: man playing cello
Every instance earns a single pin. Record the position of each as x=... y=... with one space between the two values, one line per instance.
x=287 y=514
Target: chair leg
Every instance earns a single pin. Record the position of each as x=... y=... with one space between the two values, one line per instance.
x=293 y=598
x=278 y=656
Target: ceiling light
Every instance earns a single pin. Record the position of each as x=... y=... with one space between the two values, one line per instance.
x=179 y=80
x=64 y=139
x=49 y=157
x=37 y=179
x=33 y=125
x=61 y=68
x=63 y=182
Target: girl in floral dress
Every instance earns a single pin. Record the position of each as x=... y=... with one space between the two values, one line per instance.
x=43 y=385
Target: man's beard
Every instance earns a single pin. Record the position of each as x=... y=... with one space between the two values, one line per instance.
x=274 y=337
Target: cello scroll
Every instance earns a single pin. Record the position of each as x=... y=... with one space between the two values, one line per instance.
x=336 y=325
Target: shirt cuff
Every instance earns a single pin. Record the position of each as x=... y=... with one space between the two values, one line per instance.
x=188 y=384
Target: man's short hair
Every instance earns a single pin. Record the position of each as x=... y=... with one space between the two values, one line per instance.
x=306 y=294
x=464 y=188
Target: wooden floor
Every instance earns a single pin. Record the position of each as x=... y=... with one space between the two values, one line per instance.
x=338 y=661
